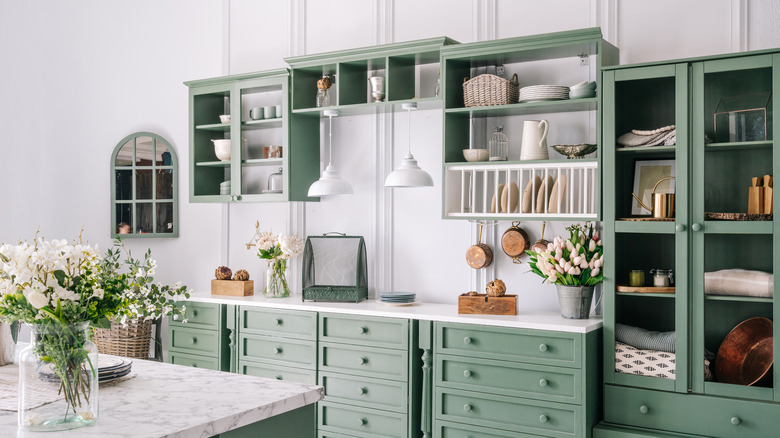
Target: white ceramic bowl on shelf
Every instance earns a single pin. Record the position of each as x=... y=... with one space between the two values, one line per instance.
x=475 y=154
x=225 y=118
x=222 y=149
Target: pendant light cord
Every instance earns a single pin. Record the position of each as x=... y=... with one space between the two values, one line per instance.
x=409 y=143
x=330 y=139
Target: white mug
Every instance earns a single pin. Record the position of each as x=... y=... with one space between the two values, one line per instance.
x=534 y=144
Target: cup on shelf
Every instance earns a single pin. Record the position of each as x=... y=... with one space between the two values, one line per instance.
x=224 y=118
x=278 y=111
x=256 y=113
x=269 y=112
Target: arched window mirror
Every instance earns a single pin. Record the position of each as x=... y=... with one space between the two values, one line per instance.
x=144 y=187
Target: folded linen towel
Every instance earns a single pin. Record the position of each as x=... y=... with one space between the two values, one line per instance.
x=645 y=339
x=666 y=135
x=739 y=282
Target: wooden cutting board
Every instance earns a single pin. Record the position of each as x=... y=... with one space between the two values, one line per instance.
x=646 y=289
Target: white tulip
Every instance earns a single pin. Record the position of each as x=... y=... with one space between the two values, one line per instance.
x=559 y=268
x=592 y=245
x=576 y=260
x=584 y=264
x=37 y=299
x=594 y=272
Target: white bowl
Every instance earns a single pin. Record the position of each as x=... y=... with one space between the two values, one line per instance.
x=222 y=149
x=475 y=154
x=584 y=85
x=225 y=118
x=582 y=93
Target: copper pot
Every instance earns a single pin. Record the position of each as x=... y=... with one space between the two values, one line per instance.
x=745 y=355
x=480 y=255
x=515 y=242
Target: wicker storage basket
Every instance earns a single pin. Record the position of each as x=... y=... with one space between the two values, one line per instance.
x=130 y=341
x=488 y=89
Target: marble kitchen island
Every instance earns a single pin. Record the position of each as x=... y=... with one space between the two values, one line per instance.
x=165 y=400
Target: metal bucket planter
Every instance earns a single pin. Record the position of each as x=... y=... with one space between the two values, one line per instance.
x=575 y=301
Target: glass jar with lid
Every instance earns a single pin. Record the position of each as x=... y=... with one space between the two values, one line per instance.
x=275 y=184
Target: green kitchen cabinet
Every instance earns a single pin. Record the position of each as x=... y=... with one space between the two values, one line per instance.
x=713 y=170
x=471 y=189
x=514 y=382
x=252 y=156
x=203 y=340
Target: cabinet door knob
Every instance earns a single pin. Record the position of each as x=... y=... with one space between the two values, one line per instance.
x=278 y=377
x=235 y=198
x=362 y=421
x=543 y=418
x=543 y=382
x=193 y=340
x=363 y=390
x=467 y=373
x=735 y=421
x=543 y=347
x=680 y=228
x=467 y=407
x=363 y=330
x=278 y=321
x=696 y=227
x=194 y=365
x=363 y=360
x=277 y=350
x=195 y=312
x=644 y=409
x=467 y=340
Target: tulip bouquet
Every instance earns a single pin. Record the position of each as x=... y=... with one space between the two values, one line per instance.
x=576 y=261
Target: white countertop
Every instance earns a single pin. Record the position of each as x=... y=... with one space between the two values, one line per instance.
x=165 y=400
x=423 y=311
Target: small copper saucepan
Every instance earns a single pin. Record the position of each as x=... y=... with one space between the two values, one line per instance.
x=515 y=242
x=480 y=255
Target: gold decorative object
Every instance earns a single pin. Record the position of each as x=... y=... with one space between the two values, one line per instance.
x=496 y=288
x=241 y=275
x=223 y=273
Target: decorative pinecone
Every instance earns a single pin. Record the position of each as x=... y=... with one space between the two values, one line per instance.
x=496 y=288
x=241 y=275
x=223 y=273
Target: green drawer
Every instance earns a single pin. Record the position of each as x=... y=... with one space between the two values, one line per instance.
x=364 y=361
x=278 y=372
x=199 y=315
x=193 y=340
x=365 y=391
x=689 y=413
x=509 y=378
x=192 y=360
x=361 y=422
x=509 y=413
x=279 y=351
x=445 y=429
x=604 y=430
x=360 y=330
x=530 y=346
x=285 y=323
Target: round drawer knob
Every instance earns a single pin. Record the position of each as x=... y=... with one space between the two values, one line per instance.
x=194 y=365
x=644 y=409
x=680 y=228
x=363 y=390
x=543 y=382
x=467 y=340
x=467 y=407
x=278 y=321
x=735 y=421
x=195 y=312
x=193 y=340
x=467 y=373
x=543 y=418
x=543 y=347
x=362 y=421
x=278 y=377
x=363 y=360
x=696 y=227
x=363 y=330
x=277 y=350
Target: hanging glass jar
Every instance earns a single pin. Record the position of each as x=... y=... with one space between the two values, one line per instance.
x=58 y=378
x=498 y=145
x=323 y=97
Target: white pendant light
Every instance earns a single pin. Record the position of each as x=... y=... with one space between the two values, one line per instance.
x=330 y=183
x=409 y=173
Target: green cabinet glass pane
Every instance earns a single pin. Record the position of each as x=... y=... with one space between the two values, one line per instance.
x=124 y=184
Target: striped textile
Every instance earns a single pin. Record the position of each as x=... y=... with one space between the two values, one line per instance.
x=645 y=339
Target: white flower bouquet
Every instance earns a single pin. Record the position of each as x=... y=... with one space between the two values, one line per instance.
x=576 y=261
x=277 y=249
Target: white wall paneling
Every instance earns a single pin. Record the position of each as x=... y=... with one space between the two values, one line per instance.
x=88 y=73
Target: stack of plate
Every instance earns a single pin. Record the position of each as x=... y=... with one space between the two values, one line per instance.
x=398 y=298
x=224 y=188
x=112 y=367
x=541 y=93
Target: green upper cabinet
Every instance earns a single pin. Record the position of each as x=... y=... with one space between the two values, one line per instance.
x=723 y=259
x=249 y=157
x=409 y=71
x=536 y=187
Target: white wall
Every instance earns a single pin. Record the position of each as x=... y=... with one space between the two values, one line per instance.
x=78 y=76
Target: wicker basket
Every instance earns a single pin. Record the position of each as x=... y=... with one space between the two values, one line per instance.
x=130 y=341
x=488 y=89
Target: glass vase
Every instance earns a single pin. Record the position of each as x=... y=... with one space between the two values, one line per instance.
x=58 y=378
x=276 y=280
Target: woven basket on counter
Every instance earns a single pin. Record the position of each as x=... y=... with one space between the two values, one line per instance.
x=130 y=341
x=487 y=89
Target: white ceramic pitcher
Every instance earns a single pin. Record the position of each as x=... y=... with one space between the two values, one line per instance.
x=534 y=145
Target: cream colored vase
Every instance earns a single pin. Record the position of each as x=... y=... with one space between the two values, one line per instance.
x=534 y=144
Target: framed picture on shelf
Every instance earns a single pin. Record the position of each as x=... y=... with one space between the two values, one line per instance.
x=646 y=174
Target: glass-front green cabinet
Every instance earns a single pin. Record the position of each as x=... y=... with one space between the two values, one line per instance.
x=709 y=319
